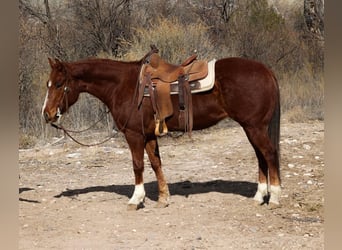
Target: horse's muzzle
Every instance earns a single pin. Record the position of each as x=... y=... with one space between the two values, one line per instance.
x=46 y=117
x=50 y=118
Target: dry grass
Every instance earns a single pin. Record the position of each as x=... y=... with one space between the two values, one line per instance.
x=302 y=96
x=175 y=40
x=26 y=141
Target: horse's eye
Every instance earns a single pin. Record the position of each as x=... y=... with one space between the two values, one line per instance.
x=58 y=84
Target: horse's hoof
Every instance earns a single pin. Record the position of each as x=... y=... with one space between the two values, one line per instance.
x=162 y=204
x=258 y=203
x=260 y=200
x=272 y=205
x=132 y=207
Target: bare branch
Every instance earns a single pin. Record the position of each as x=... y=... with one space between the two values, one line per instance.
x=27 y=8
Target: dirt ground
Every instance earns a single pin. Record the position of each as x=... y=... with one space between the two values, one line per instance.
x=74 y=197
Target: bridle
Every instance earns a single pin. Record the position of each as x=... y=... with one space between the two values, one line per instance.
x=66 y=90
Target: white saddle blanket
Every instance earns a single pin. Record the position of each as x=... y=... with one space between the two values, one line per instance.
x=197 y=86
x=202 y=85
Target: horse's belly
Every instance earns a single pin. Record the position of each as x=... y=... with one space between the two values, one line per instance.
x=207 y=111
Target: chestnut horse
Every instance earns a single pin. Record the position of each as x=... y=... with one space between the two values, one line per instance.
x=244 y=90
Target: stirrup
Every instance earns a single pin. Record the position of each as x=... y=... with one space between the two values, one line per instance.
x=161 y=128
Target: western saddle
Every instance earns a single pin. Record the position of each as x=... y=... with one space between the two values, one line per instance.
x=157 y=75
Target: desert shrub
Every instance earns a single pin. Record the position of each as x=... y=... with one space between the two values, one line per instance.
x=175 y=40
x=258 y=32
x=26 y=140
x=302 y=91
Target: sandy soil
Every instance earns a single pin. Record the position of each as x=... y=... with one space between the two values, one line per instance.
x=74 y=197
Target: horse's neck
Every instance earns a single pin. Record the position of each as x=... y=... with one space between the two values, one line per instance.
x=102 y=78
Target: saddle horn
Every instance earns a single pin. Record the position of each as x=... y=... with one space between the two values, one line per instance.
x=146 y=58
x=154 y=49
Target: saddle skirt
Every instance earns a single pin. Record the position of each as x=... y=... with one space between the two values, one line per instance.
x=196 y=86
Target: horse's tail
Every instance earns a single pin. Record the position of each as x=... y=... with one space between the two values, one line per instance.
x=274 y=126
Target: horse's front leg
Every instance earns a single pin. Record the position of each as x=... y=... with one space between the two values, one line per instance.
x=136 y=144
x=152 y=151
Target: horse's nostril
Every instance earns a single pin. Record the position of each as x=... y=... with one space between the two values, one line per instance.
x=46 y=116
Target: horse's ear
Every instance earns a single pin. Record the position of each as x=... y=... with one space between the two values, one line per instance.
x=154 y=48
x=56 y=64
x=51 y=62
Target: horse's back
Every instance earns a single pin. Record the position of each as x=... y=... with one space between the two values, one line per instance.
x=248 y=88
x=247 y=73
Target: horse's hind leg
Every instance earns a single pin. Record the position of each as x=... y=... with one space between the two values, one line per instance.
x=268 y=164
x=262 y=194
x=153 y=154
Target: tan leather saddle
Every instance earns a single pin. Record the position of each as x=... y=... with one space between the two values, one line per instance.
x=157 y=75
x=166 y=72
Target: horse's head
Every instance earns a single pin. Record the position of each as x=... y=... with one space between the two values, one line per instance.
x=61 y=92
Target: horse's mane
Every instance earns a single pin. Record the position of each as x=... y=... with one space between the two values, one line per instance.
x=96 y=60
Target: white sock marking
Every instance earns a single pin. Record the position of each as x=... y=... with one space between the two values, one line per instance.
x=275 y=192
x=138 y=195
x=261 y=192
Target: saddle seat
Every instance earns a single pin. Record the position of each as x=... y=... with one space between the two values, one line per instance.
x=167 y=72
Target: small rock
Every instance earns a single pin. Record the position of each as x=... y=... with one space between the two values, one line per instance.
x=297 y=205
x=73 y=155
x=254 y=229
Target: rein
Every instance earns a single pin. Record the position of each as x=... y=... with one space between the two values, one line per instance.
x=78 y=142
x=68 y=131
x=84 y=130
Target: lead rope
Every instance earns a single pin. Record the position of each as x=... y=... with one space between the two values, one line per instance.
x=90 y=127
x=72 y=138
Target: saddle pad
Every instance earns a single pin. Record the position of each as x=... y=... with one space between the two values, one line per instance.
x=202 y=85
x=197 y=86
